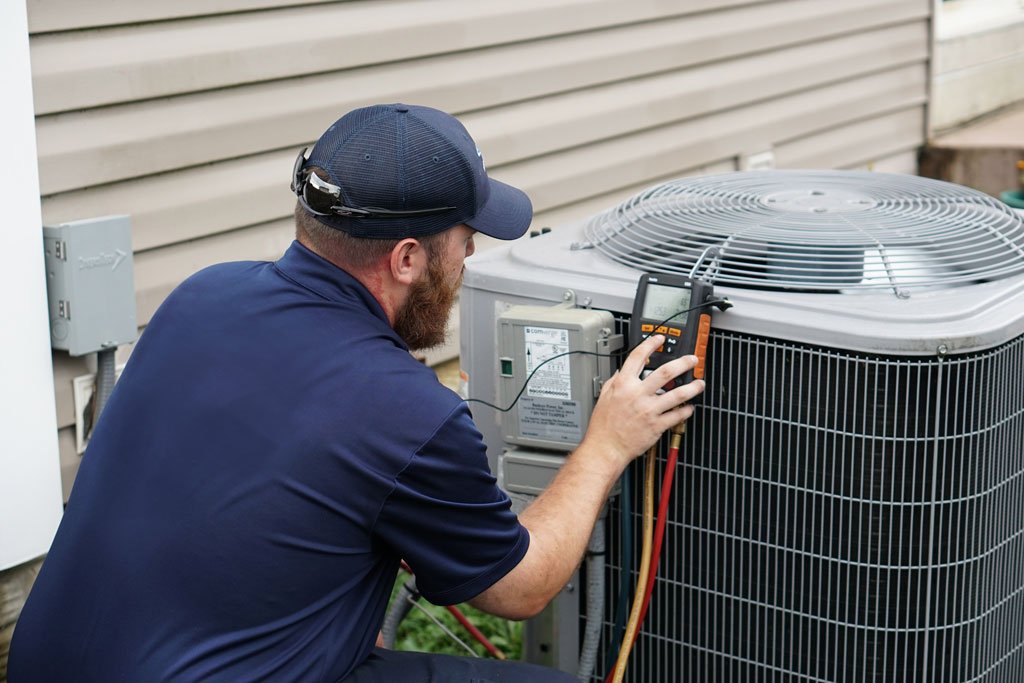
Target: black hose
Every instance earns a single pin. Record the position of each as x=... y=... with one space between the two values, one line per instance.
x=401 y=604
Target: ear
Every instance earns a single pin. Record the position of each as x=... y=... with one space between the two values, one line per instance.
x=408 y=261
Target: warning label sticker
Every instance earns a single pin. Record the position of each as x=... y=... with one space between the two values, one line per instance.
x=553 y=379
x=543 y=418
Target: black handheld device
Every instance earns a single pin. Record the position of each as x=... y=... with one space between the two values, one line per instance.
x=672 y=305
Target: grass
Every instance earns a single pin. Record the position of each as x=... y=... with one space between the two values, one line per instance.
x=418 y=633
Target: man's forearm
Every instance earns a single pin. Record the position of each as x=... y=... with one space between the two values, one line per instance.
x=560 y=522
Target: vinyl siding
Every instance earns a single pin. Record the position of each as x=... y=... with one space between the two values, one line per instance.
x=979 y=58
x=188 y=115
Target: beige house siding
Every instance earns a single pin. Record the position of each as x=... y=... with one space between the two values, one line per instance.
x=978 y=60
x=188 y=115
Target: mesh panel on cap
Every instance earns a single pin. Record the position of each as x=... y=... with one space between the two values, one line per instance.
x=405 y=159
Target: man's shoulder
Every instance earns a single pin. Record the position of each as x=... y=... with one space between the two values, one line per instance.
x=226 y=271
x=395 y=391
x=401 y=374
x=218 y=279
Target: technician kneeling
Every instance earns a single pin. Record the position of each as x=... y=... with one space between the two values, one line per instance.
x=272 y=449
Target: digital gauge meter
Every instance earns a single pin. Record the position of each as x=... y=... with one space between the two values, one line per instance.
x=672 y=305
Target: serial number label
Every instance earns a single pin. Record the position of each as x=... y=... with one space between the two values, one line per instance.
x=553 y=379
x=550 y=419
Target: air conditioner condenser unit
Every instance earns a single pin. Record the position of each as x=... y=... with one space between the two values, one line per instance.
x=850 y=494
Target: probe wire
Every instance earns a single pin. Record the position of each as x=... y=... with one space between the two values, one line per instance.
x=437 y=622
x=614 y=354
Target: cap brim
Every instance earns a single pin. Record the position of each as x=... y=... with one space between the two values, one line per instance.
x=506 y=214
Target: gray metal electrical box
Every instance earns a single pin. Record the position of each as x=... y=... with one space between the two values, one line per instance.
x=555 y=406
x=90 y=284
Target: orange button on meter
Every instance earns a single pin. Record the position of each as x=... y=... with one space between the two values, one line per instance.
x=647 y=327
x=662 y=330
x=674 y=331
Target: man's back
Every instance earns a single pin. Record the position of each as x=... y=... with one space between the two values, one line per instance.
x=233 y=518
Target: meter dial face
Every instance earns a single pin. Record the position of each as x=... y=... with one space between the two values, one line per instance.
x=661 y=301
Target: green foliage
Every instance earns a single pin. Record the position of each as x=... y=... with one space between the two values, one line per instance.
x=419 y=634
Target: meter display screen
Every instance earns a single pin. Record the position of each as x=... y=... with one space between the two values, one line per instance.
x=660 y=302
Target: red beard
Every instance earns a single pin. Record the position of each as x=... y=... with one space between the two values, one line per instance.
x=422 y=321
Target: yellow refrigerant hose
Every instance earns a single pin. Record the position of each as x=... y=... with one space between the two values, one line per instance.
x=645 y=567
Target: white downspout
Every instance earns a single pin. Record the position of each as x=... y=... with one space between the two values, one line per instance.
x=30 y=487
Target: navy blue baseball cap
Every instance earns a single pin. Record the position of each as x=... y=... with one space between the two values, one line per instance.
x=401 y=170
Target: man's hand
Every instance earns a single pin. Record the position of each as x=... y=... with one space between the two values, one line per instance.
x=631 y=415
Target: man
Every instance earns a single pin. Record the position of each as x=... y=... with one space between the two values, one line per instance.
x=272 y=450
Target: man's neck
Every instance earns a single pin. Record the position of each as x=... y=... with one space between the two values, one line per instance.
x=375 y=281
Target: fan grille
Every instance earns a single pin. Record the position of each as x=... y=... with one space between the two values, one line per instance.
x=816 y=231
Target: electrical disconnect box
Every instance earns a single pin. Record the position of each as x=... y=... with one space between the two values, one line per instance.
x=554 y=360
x=90 y=284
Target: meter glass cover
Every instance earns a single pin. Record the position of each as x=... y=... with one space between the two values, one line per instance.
x=662 y=301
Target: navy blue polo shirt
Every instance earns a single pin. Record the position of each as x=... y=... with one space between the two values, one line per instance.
x=269 y=454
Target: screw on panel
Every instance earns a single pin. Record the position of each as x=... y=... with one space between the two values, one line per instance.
x=577 y=246
x=903 y=293
x=942 y=349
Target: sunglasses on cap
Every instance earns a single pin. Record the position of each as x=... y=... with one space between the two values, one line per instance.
x=322 y=198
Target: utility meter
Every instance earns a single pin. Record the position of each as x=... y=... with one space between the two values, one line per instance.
x=551 y=365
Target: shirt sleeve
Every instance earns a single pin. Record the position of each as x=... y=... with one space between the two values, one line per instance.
x=448 y=519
